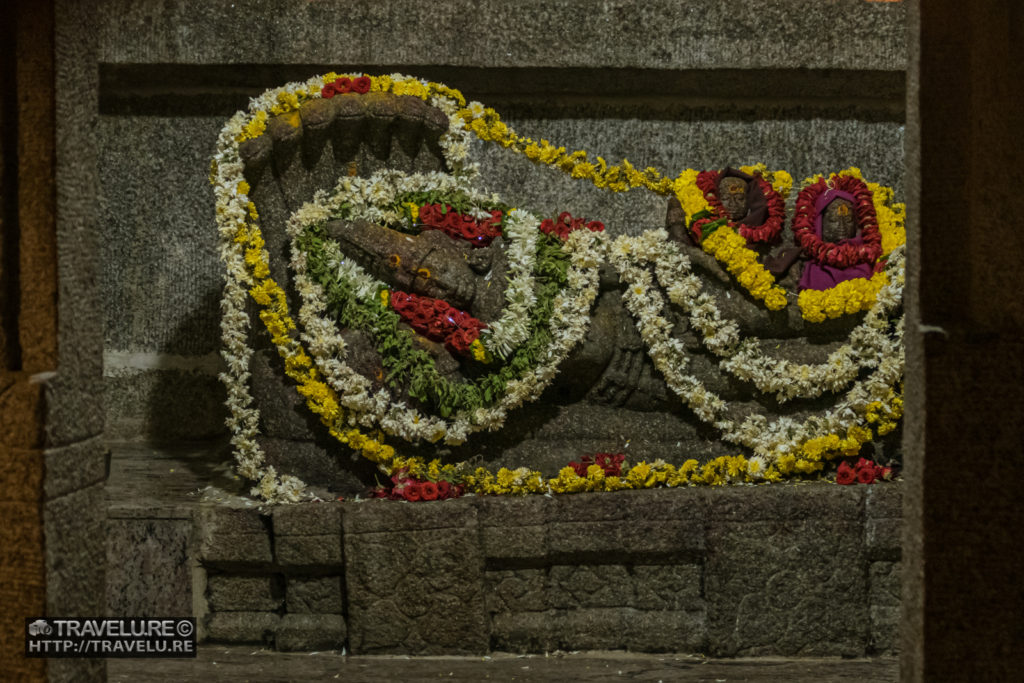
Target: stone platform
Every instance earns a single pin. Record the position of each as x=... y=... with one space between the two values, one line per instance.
x=805 y=570
x=216 y=663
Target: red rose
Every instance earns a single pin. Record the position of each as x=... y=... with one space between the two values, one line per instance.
x=459 y=490
x=595 y=226
x=343 y=85
x=866 y=475
x=411 y=492
x=845 y=475
x=885 y=474
x=444 y=489
x=611 y=464
x=328 y=91
x=428 y=490
x=428 y=214
x=361 y=85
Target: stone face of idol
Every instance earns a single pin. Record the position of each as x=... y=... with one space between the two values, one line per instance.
x=732 y=192
x=838 y=221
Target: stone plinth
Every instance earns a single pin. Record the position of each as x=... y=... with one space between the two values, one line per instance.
x=776 y=570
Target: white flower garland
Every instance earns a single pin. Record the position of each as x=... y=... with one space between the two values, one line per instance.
x=743 y=358
x=568 y=324
x=630 y=257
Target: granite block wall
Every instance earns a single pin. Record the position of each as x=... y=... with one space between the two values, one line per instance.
x=788 y=570
x=805 y=86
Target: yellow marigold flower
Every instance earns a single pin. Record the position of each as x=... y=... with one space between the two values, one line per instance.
x=242 y=188
x=261 y=294
x=479 y=352
x=255 y=127
x=735 y=466
x=775 y=300
x=638 y=474
x=506 y=477
x=583 y=170
x=746 y=278
x=808 y=466
x=434 y=470
x=414 y=210
x=614 y=484
x=782 y=181
x=858 y=433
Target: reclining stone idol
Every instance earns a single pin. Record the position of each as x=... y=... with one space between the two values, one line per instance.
x=390 y=326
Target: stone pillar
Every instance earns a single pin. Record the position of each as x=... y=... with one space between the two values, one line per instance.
x=965 y=391
x=52 y=460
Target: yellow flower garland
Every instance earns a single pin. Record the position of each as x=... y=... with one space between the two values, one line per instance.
x=848 y=297
x=730 y=249
x=320 y=398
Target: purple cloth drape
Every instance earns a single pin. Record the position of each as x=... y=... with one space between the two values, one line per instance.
x=820 y=277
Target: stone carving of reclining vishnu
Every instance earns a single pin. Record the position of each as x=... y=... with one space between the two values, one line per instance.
x=380 y=304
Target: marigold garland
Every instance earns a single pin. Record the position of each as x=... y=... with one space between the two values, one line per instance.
x=730 y=249
x=846 y=298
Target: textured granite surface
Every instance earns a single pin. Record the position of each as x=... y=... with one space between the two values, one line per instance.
x=149 y=571
x=706 y=33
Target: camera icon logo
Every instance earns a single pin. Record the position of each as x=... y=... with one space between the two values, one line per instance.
x=40 y=627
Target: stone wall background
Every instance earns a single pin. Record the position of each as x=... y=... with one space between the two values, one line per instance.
x=801 y=85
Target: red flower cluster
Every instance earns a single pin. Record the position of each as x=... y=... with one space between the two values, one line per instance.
x=611 y=464
x=565 y=224
x=766 y=233
x=404 y=487
x=832 y=253
x=461 y=226
x=438 y=320
x=340 y=86
x=864 y=472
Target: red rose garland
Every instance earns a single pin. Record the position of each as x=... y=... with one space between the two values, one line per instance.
x=768 y=232
x=438 y=320
x=343 y=85
x=566 y=224
x=832 y=253
x=461 y=226
x=404 y=487
x=864 y=472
